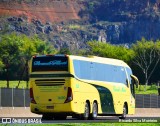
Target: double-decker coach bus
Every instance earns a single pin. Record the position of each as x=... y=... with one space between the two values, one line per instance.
x=83 y=87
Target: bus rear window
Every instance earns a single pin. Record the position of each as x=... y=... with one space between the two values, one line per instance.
x=50 y=63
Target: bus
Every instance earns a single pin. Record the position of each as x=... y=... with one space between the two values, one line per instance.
x=81 y=87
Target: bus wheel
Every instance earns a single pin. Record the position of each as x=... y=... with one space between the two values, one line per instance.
x=47 y=117
x=123 y=116
x=94 y=111
x=86 y=112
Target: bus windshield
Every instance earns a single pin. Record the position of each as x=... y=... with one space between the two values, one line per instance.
x=50 y=63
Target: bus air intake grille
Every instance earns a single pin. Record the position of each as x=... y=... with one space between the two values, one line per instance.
x=50 y=82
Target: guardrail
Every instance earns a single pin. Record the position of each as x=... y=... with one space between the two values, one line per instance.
x=13 y=97
x=147 y=101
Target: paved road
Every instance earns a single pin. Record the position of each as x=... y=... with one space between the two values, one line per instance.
x=25 y=112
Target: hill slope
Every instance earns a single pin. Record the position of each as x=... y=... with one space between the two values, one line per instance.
x=71 y=23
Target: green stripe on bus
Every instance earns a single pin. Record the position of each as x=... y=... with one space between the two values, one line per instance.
x=106 y=100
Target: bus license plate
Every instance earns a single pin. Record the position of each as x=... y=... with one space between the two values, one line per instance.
x=50 y=107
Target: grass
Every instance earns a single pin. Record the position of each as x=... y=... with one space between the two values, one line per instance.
x=152 y=89
x=13 y=84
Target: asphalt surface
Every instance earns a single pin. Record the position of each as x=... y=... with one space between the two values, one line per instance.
x=25 y=112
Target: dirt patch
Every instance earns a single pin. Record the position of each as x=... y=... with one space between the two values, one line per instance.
x=52 y=11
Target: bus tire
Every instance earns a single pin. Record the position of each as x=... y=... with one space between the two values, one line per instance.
x=86 y=111
x=47 y=117
x=94 y=111
x=124 y=114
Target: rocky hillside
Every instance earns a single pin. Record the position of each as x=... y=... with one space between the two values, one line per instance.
x=71 y=23
x=44 y=10
x=133 y=19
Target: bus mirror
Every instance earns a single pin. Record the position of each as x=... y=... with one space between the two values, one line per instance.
x=136 y=81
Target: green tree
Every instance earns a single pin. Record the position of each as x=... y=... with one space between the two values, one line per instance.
x=1 y=65
x=64 y=51
x=147 y=57
x=42 y=47
x=110 y=51
x=9 y=51
x=16 y=51
x=30 y=47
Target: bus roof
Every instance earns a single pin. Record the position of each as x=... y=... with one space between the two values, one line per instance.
x=97 y=59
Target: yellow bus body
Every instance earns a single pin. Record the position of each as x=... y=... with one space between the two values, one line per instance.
x=49 y=89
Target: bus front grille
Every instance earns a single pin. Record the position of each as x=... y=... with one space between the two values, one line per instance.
x=50 y=82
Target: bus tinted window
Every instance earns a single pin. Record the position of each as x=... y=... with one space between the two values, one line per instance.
x=50 y=63
x=100 y=72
